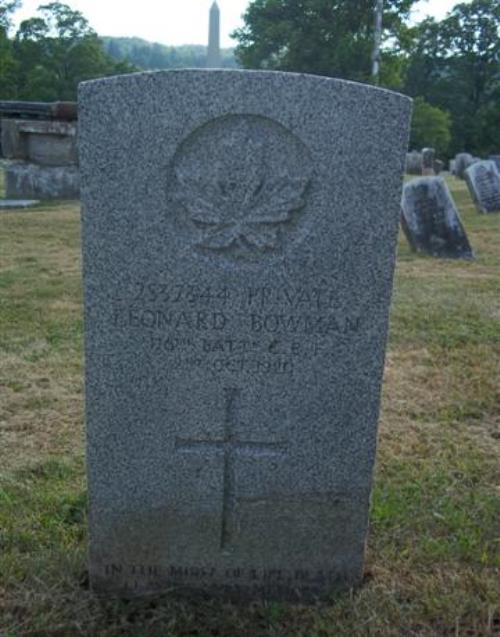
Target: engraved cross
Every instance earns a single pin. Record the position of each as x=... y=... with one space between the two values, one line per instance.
x=231 y=447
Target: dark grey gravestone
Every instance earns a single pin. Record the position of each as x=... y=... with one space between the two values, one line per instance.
x=428 y=157
x=414 y=165
x=483 y=180
x=239 y=240
x=430 y=220
x=462 y=162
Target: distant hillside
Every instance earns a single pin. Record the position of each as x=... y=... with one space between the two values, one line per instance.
x=153 y=56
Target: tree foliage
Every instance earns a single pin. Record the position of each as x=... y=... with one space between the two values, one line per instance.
x=8 y=64
x=325 y=37
x=50 y=54
x=56 y=49
x=455 y=64
x=430 y=127
x=8 y=67
x=7 y=8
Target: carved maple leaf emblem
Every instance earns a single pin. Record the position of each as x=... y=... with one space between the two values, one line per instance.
x=240 y=203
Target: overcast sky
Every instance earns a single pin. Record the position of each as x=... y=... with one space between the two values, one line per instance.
x=176 y=21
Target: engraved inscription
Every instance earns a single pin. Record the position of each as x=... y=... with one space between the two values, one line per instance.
x=269 y=330
x=216 y=321
x=237 y=579
x=488 y=188
x=432 y=212
x=231 y=447
x=241 y=180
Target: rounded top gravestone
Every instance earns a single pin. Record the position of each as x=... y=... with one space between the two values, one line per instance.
x=483 y=180
x=239 y=244
x=414 y=163
x=431 y=221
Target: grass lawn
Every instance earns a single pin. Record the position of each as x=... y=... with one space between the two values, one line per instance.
x=433 y=562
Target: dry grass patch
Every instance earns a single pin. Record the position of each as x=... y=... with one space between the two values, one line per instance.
x=40 y=335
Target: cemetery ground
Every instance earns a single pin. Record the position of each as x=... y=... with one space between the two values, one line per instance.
x=433 y=561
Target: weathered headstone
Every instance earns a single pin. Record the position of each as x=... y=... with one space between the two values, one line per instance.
x=414 y=164
x=237 y=286
x=430 y=220
x=428 y=157
x=483 y=180
x=462 y=162
x=453 y=167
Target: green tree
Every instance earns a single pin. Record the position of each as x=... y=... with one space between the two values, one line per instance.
x=56 y=50
x=8 y=68
x=430 y=127
x=455 y=65
x=326 y=37
x=7 y=8
x=8 y=65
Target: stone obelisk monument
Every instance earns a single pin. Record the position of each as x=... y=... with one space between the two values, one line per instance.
x=213 y=55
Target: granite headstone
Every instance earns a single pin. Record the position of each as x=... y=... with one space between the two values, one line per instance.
x=462 y=162
x=483 y=180
x=414 y=165
x=431 y=221
x=428 y=157
x=239 y=244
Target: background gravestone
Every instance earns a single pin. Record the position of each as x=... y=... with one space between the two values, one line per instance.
x=414 y=164
x=462 y=162
x=483 y=180
x=430 y=220
x=428 y=158
x=237 y=287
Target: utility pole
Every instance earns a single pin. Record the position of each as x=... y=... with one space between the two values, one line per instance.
x=379 y=12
